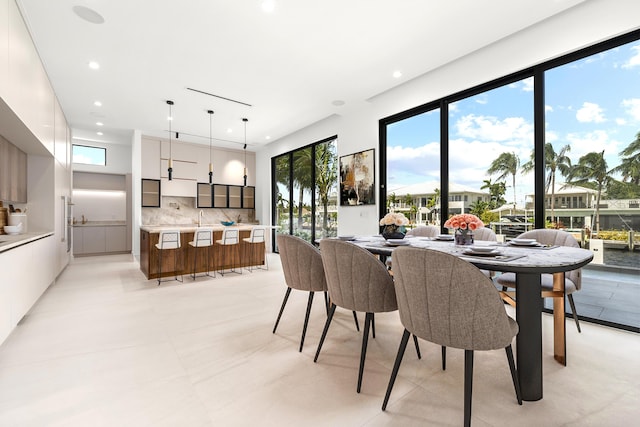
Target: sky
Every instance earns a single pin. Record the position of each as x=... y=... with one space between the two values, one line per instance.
x=592 y=105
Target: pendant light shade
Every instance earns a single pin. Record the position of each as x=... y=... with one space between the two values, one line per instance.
x=170 y=118
x=210 y=148
x=245 y=120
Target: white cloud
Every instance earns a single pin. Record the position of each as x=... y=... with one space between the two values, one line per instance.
x=590 y=112
x=548 y=108
x=512 y=130
x=550 y=136
x=620 y=121
x=632 y=107
x=634 y=60
x=527 y=84
x=599 y=140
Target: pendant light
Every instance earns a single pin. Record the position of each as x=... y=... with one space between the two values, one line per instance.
x=170 y=118
x=245 y=120
x=210 y=148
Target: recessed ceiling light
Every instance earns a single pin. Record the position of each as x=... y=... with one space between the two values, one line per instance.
x=100 y=133
x=397 y=74
x=338 y=103
x=229 y=130
x=94 y=65
x=268 y=6
x=88 y=15
x=99 y=124
x=98 y=104
x=267 y=137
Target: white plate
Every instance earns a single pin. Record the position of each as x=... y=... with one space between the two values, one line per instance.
x=471 y=251
x=533 y=243
x=482 y=249
x=524 y=241
x=397 y=242
x=346 y=237
x=444 y=237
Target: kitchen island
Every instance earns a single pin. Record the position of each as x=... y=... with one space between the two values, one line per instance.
x=220 y=257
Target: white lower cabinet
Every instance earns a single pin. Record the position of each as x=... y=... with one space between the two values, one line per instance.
x=92 y=240
x=22 y=284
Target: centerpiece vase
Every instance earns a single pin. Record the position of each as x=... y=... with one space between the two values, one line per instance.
x=392 y=232
x=464 y=237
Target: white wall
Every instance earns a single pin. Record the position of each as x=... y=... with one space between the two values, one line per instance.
x=118 y=157
x=357 y=127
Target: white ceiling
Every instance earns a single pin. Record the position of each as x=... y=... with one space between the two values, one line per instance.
x=290 y=64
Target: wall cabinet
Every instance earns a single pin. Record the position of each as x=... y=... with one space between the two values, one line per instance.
x=150 y=193
x=225 y=196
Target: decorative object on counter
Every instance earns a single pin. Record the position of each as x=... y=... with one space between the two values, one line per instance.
x=210 y=112
x=245 y=120
x=18 y=219
x=13 y=229
x=463 y=226
x=393 y=225
x=3 y=218
x=227 y=223
x=170 y=118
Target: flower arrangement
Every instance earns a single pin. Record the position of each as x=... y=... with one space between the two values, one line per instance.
x=393 y=224
x=463 y=224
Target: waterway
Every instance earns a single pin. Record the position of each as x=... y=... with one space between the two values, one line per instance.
x=622 y=258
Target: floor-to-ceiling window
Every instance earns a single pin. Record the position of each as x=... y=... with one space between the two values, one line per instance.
x=557 y=146
x=305 y=192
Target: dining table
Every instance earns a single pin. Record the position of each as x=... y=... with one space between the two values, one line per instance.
x=528 y=261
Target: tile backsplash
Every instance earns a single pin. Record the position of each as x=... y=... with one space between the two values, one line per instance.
x=182 y=210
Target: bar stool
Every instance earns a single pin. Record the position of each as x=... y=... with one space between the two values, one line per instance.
x=254 y=241
x=168 y=240
x=230 y=237
x=202 y=238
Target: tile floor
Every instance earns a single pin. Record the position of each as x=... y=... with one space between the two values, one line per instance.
x=106 y=347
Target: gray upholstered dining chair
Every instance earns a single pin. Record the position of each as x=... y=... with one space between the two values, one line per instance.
x=424 y=231
x=303 y=270
x=572 y=279
x=485 y=234
x=357 y=281
x=446 y=300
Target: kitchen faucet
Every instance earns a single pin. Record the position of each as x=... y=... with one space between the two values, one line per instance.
x=200 y=218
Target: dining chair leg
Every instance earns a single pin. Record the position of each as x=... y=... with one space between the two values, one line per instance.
x=356 y=320
x=286 y=297
x=368 y=319
x=326 y=301
x=306 y=319
x=468 y=386
x=574 y=312
x=373 y=325
x=396 y=367
x=415 y=341
x=514 y=374
x=324 y=331
x=444 y=358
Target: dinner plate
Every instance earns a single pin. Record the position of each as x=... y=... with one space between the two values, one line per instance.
x=482 y=249
x=444 y=237
x=471 y=251
x=397 y=242
x=532 y=243
x=524 y=241
x=347 y=238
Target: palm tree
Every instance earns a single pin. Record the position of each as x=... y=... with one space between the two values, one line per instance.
x=552 y=162
x=506 y=164
x=302 y=164
x=629 y=167
x=496 y=190
x=591 y=168
x=326 y=178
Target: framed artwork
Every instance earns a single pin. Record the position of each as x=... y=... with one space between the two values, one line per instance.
x=357 y=179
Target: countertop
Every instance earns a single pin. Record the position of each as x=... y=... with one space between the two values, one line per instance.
x=11 y=241
x=100 y=224
x=190 y=228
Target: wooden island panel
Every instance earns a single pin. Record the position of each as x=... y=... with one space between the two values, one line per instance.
x=220 y=257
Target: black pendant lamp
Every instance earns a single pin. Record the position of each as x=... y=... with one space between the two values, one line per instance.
x=210 y=148
x=245 y=120
x=170 y=118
